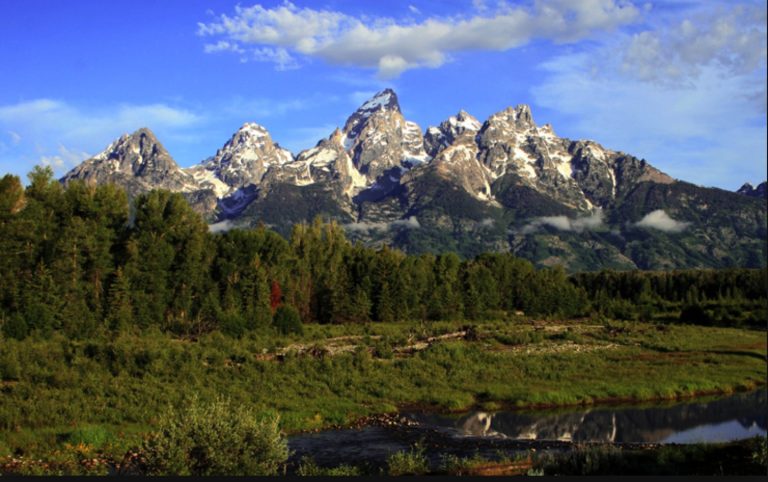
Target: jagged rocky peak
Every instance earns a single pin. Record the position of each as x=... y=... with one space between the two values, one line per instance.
x=761 y=191
x=378 y=138
x=518 y=117
x=139 y=154
x=242 y=161
x=522 y=115
x=465 y=121
x=252 y=141
x=438 y=138
x=382 y=102
x=139 y=161
x=140 y=151
x=327 y=163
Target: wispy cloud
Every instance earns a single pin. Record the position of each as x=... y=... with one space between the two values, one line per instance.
x=564 y=223
x=45 y=115
x=731 y=37
x=661 y=221
x=487 y=223
x=391 y=46
x=65 y=158
x=408 y=223
x=683 y=90
x=224 y=226
x=59 y=134
x=263 y=107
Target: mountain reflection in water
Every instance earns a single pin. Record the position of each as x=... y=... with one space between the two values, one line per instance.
x=739 y=416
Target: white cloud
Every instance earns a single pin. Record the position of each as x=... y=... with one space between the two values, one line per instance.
x=366 y=227
x=697 y=114
x=487 y=223
x=660 y=220
x=59 y=134
x=280 y=57
x=564 y=223
x=64 y=159
x=392 y=47
x=730 y=38
x=46 y=116
x=223 y=226
x=223 y=46
x=479 y=5
x=260 y=108
x=413 y=9
x=408 y=223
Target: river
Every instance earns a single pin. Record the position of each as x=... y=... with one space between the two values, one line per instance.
x=712 y=419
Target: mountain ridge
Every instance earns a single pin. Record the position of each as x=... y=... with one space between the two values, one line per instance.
x=465 y=185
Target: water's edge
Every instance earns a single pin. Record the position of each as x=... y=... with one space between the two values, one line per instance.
x=735 y=416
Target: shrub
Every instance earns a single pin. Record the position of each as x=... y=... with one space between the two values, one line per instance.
x=216 y=438
x=287 y=320
x=760 y=451
x=10 y=368
x=309 y=468
x=413 y=462
x=233 y=324
x=93 y=435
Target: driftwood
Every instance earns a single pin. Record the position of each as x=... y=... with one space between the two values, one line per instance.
x=519 y=467
x=330 y=347
x=427 y=342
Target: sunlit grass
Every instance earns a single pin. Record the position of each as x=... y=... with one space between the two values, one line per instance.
x=120 y=385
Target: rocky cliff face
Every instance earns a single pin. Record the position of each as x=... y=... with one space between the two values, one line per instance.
x=464 y=185
x=241 y=162
x=136 y=161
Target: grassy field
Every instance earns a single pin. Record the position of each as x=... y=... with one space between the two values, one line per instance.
x=105 y=393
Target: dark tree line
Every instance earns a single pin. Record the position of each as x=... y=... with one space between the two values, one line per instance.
x=84 y=260
x=704 y=296
x=676 y=286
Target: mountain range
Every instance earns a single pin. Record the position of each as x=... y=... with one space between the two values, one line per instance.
x=464 y=185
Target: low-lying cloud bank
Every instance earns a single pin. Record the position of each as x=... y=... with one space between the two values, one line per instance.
x=661 y=221
x=564 y=223
x=408 y=223
x=223 y=226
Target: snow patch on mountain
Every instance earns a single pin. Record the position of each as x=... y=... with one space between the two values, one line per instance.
x=379 y=101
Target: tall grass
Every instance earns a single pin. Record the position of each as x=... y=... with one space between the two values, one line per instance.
x=123 y=384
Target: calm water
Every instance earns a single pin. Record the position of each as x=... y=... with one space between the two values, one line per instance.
x=734 y=417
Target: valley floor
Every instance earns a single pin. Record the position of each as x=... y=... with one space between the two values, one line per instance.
x=102 y=395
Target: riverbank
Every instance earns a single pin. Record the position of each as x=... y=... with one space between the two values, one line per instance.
x=396 y=420
x=488 y=434
x=116 y=387
x=743 y=457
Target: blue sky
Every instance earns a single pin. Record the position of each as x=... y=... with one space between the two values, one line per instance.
x=679 y=83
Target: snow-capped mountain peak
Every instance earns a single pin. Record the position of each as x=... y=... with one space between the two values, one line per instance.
x=438 y=138
x=242 y=161
x=138 y=161
x=463 y=120
x=384 y=100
